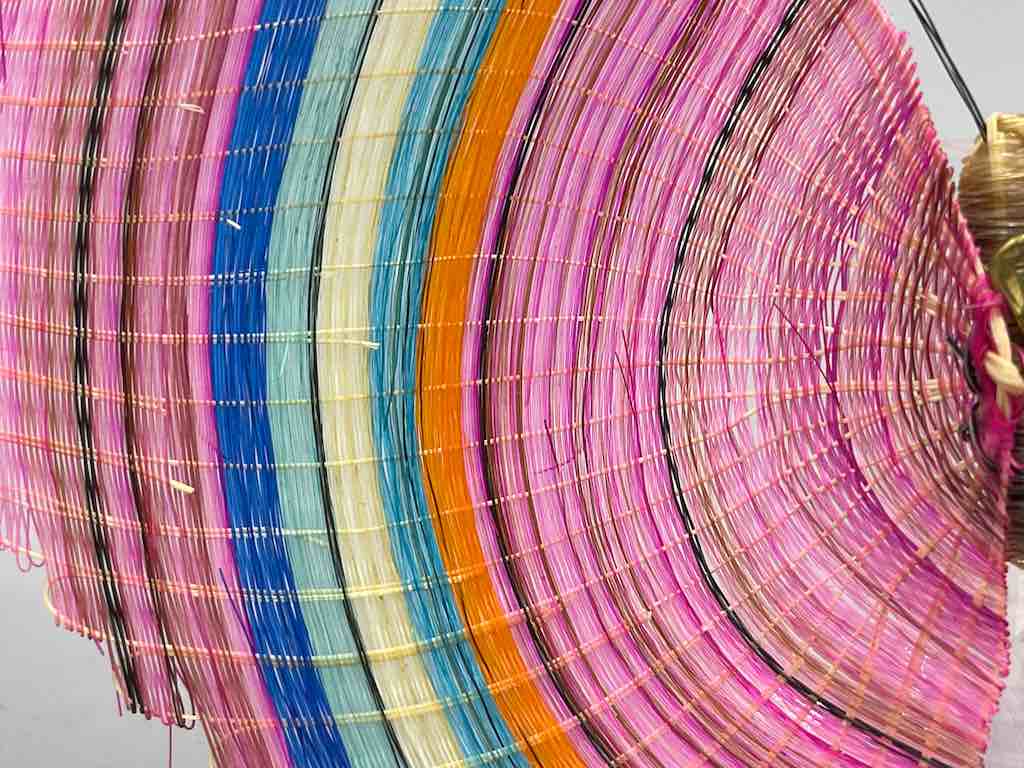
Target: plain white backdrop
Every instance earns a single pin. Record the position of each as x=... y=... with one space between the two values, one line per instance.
x=57 y=703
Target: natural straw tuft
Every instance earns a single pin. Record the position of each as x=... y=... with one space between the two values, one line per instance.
x=992 y=186
x=992 y=201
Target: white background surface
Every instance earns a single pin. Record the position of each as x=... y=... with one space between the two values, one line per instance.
x=57 y=704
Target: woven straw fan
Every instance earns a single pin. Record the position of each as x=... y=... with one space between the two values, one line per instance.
x=562 y=383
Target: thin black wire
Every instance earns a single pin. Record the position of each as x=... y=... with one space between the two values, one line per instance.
x=118 y=625
x=932 y=31
x=718 y=150
x=558 y=676
x=312 y=321
x=130 y=262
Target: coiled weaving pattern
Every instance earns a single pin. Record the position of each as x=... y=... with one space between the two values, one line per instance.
x=563 y=383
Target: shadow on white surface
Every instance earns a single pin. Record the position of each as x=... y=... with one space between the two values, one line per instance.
x=57 y=705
